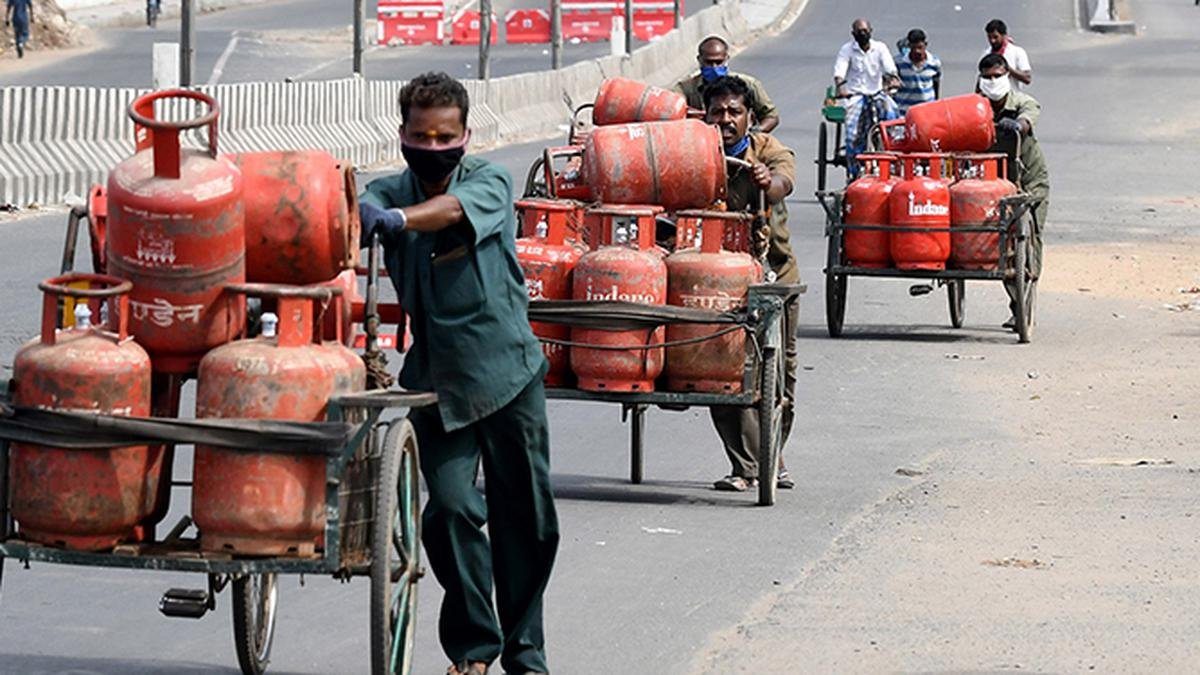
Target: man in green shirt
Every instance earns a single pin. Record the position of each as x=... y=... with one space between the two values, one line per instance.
x=448 y=230
x=1016 y=114
x=713 y=57
x=728 y=101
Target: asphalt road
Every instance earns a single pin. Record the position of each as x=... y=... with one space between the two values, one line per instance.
x=672 y=577
x=296 y=39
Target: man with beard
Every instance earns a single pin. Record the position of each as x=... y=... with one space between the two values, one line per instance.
x=448 y=231
x=727 y=103
x=713 y=58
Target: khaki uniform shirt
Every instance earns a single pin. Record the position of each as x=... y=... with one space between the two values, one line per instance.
x=465 y=295
x=692 y=89
x=1030 y=173
x=742 y=195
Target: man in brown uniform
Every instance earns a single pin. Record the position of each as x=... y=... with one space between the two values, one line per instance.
x=714 y=64
x=727 y=103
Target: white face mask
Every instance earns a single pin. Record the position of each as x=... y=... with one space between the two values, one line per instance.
x=996 y=88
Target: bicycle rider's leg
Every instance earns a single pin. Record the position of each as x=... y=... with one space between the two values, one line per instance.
x=855 y=112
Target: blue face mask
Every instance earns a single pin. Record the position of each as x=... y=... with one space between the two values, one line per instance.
x=711 y=73
x=738 y=148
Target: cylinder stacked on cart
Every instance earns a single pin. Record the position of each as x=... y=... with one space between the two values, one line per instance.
x=943 y=212
x=182 y=230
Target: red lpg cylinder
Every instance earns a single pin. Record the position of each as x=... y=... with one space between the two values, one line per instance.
x=866 y=204
x=548 y=261
x=533 y=212
x=626 y=269
x=716 y=279
x=975 y=202
x=621 y=101
x=301 y=216
x=265 y=503
x=338 y=326
x=175 y=229
x=562 y=169
x=921 y=201
x=956 y=124
x=83 y=499
x=677 y=165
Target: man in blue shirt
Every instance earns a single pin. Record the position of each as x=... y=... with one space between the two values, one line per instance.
x=449 y=234
x=920 y=73
x=19 y=14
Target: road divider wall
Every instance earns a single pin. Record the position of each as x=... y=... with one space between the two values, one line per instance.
x=55 y=142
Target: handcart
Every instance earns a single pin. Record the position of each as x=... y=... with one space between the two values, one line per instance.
x=371 y=507
x=1015 y=241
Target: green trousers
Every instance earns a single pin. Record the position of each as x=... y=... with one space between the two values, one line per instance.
x=738 y=427
x=514 y=444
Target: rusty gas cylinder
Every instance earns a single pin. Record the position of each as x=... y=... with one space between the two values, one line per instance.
x=715 y=279
x=532 y=212
x=621 y=101
x=866 y=205
x=677 y=165
x=268 y=503
x=302 y=222
x=956 y=124
x=919 y=209
x=86 y=499
x=625 y=269
x=974 y=203
x=548 y=261
x=176 y=230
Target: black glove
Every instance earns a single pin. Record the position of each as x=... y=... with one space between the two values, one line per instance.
x=389 y=223
x=1009 y=125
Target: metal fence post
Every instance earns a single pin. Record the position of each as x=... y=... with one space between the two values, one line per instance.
x=628 y=27
x=359 y=19
x=556 y=36
x=187 y=42
x=485 y=39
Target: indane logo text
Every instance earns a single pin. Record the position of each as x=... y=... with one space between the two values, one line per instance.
x=926 y=209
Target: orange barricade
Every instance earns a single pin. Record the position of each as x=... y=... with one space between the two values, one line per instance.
x=465 y=28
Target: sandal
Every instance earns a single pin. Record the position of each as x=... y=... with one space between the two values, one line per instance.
x=468 y=668
x=784 y=480
x=733 y=483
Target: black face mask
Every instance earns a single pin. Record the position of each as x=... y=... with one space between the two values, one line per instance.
x=863 y=37
x=430 y=165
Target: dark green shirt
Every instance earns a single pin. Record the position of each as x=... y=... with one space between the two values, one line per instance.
x=465 y=295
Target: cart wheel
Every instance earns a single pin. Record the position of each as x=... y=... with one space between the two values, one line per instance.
x=822 y=156
x=535 y=186
x=1026 y=291
x=254 y=599
x=769 y=421
x=956 y=290
x=835 y=287
x=395 y=553
x=637 y=444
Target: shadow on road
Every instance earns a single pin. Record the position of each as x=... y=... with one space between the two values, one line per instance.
x=575 y=487
x=31 y=664
x=925 y=333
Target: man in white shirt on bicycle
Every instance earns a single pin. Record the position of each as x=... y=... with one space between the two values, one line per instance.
x=862 y=70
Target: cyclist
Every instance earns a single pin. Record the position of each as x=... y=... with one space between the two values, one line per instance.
x=861 y=71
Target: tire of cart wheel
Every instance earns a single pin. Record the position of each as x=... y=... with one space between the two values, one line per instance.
x=956 y=291
x=395 y=553
x=255 y=598
x=769 y=427
x=1022 y=290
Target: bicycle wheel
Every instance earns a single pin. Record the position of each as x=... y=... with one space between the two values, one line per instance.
x=255 y=597
x=822 y=156
x=395 y=553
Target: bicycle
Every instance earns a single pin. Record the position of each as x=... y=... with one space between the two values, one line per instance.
x=868 y=126
x=153 y=9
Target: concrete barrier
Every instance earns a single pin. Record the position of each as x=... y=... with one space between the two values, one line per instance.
x=57 y=141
